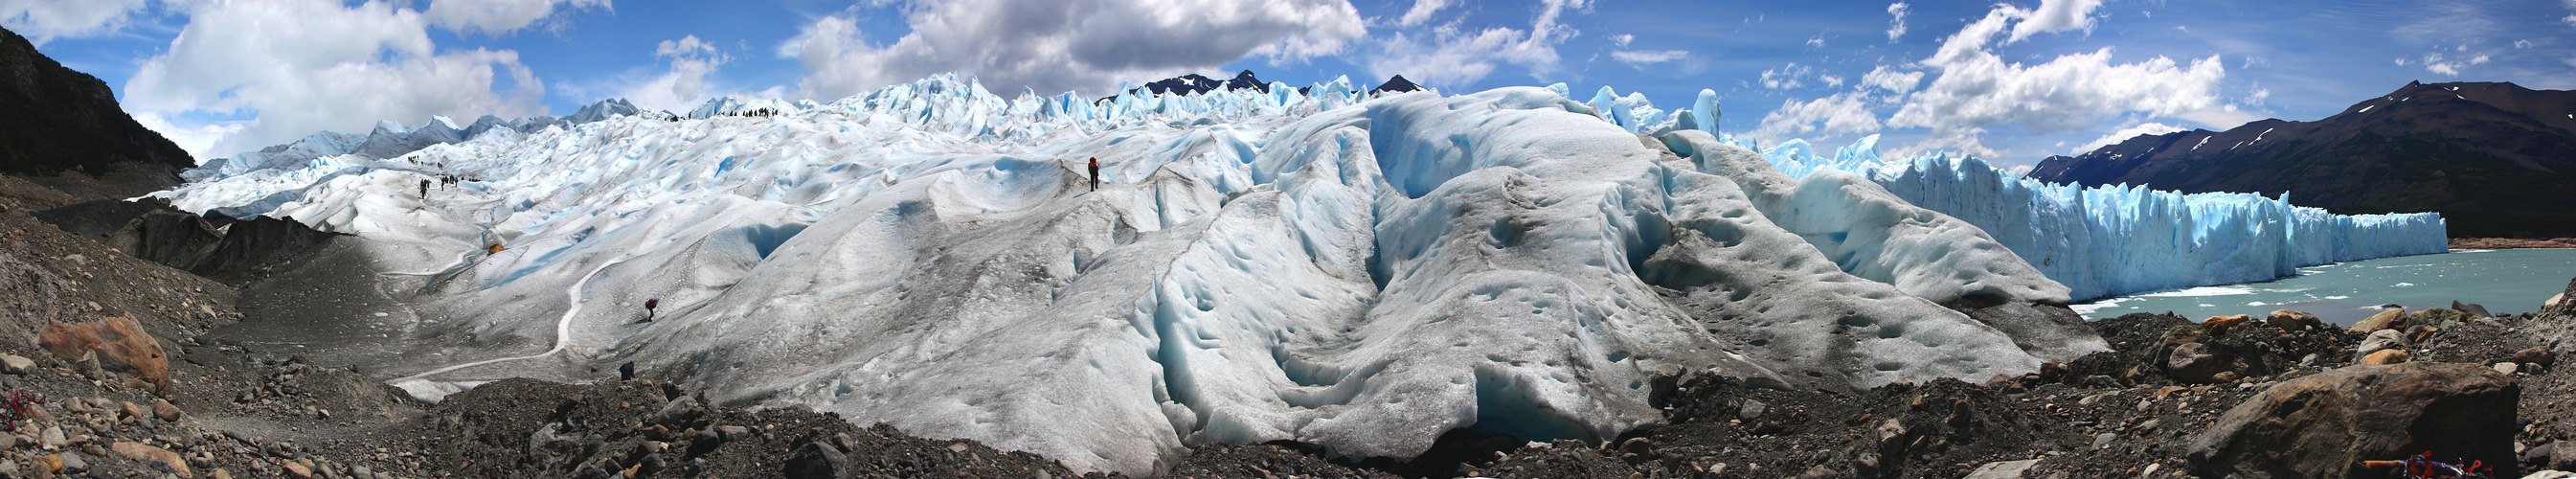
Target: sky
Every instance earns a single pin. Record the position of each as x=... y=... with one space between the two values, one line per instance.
x=2013 y=81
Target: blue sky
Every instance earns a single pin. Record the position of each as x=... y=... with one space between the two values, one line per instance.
x=2011 y=81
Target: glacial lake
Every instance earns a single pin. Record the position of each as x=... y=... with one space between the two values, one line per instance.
x=2505 y=281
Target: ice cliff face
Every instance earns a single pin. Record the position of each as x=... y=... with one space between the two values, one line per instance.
x=2119 y=239
x=1361 y=272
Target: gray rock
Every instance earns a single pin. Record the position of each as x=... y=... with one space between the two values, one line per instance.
x=816 y=460
x=2104 y=439
x=15 y=364
x=2473 y=309
x=1752 y=409
x=52 y=438
x=2378 y=340
x=72 y=462
x=2003 y=470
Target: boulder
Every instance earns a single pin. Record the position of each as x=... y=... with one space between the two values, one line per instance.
x=2385 y=356
x=145 y=453
x=2228 y=321
x=2553 y=301
x=2378 y=340
x=15 y=364
x=2474 y=310
x=2436 y=317
x=119 y=340
x=2391 y=318
x=2324 y=425
x=2559 y=306
x=2003 y=469
x=2535 y=355
x=2194 y=363
x=2289 y=320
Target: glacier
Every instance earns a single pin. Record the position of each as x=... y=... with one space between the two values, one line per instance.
x=1360 y=272
x=2114 y=240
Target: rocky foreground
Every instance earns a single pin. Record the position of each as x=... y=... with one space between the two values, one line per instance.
x=112 y=376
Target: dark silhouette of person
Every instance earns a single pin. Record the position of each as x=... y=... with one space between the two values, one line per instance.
x=1095 y=173
x=626 y=372
x=424 y=189
x=649 y=304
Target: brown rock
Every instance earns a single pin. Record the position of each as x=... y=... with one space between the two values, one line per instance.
x=128 y=410
x=2324 y=425
x=116 y=339
x=296 y=470
x=48 y=464
x=2385 y=356
x=161 y=408
x=2392 y=318
x=2193 y=363
x=2289 y=320
x=140 y=452
x=2535 y=355
x=2228 y=321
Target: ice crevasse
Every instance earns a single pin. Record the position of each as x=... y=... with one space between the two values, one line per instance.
x=1358 y=272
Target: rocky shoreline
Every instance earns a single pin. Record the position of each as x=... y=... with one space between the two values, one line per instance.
x=2511 y=243
x=2176 y=397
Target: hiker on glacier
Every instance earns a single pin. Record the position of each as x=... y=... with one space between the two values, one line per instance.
x=1095 y=173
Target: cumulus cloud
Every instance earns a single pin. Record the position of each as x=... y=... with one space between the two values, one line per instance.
x=1976 y=87
x=2054 y=16
x=1053 y=45
x=1896 y=21
x=498 y=16
x=1647 y=58
x=197 y=139
x=1452 y=57
x=1838 y=115
x=2124 y=134
x=43 y=21
x=300 y=66
x=1621 y=40
x=1891 y=80
x=1422 y=11
x=684 y=85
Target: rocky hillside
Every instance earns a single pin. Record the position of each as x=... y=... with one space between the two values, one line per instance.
x=2494 y=158
x=54 y=119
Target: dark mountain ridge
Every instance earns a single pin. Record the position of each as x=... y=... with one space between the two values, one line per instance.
x=54 y=119
x=2496 y=159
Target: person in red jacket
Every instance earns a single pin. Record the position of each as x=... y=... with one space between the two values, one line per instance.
x=1095 y=173
x=649 y=304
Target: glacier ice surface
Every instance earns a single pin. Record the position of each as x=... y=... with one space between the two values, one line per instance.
x=1323 y=265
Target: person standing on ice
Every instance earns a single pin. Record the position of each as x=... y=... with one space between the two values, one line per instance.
x=649 y=304
x=1095 y=173
x=424 y=189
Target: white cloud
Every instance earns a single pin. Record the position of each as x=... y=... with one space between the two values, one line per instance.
x=1816 y=41
x=1052 y=45
x=1976 y=87
x=1891 y=80
x=2053 y=16
x=1449 y=56
x=2142 y=129
x=1841 y=114
x=1646 y=58
x=2521 y=44
x=1621 y=40
x=2449 y=66
x=497 y=16
x=2570 y=20
x=198 y=140
x=1896 y=21
x=1787 y=77
x=300 y=66
x=1422 y=11
x=685 y=84
x=43 y=21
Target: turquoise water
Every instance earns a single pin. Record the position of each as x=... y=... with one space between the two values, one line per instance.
x=2505 y=281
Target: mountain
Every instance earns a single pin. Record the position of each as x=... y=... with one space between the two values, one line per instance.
x=1395 y=84
x=54 y=119
x=2496 y=159
x=391 y=139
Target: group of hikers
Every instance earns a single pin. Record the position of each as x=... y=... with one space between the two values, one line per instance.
x=444 y=181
